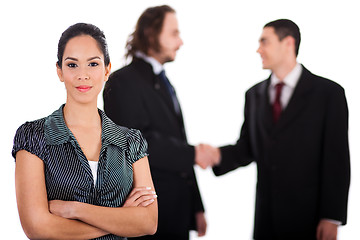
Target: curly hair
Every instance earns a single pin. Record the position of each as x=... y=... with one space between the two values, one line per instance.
x=147 y=31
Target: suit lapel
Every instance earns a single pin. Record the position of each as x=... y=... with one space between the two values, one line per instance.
x=164 y=93
x=298 y=100
x=264 y=107
x=148 y=75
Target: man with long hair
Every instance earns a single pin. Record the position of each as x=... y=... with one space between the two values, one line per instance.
x=140 y=96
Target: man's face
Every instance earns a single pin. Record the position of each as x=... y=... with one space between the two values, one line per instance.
x=169 y=39
x=271 y=49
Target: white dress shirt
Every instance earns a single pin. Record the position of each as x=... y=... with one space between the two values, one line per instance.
x=157 y=67
x=289 y=81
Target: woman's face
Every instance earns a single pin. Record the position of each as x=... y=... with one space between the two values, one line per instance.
x=83 y=70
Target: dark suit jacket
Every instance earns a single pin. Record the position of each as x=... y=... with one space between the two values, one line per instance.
x=135 y=97
x=302 y=161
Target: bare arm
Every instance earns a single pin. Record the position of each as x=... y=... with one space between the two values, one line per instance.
x=121 y=221
x=35 y=217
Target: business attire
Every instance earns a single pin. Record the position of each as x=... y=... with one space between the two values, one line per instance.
x=303 y=164
x=68 y=173
x=136 y=96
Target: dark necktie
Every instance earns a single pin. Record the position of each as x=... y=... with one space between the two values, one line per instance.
x=171 y=91
x=277 y=104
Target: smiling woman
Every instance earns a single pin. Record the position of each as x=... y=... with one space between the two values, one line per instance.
x=78 y=175
x=213 y=69
x=84 y=70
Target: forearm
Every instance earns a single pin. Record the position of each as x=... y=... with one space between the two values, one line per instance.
x=232 y=157
x=36 y=219
x=122 y=221
x=49 y=226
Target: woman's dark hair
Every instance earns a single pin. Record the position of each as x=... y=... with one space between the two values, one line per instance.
x=284 y=28
x=147 y=31
x=79 y=29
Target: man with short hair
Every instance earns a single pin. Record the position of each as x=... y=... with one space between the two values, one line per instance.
x=296 y=130
x=140 y=96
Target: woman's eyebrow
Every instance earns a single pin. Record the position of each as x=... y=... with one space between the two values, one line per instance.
x=71 y=58
x=92 y=58
x=75 y=59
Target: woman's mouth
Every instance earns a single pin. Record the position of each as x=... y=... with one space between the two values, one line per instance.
x=83 y=88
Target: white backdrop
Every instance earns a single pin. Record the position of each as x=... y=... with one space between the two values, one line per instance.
x=214 y=68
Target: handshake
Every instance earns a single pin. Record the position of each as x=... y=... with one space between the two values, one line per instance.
x=207 y=155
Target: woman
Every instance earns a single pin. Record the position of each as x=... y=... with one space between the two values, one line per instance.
x=75 y=168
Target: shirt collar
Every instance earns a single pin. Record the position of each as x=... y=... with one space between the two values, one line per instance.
x=157 y=67
x=291 y=79
x=57 y=133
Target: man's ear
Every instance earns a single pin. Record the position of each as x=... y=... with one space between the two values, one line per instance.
x=59 y=72
x=290 y=41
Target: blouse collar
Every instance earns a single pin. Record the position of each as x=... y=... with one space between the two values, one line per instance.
x=57 y=133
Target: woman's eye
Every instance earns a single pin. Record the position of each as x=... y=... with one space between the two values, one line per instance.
x=93 y=64
x=72 y=65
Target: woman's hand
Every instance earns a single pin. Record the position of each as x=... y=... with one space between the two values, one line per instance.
x=140 y=197
x=62 y=208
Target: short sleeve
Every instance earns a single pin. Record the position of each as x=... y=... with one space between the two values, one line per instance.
x=137 y=145
x=30 y=137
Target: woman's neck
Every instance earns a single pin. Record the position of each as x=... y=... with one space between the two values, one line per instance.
x=84 y=115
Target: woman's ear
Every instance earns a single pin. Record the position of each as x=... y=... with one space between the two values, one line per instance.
x=59 y=72
x=107 y=71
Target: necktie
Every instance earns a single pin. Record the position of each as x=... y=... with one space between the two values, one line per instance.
x=277 y=104
x=171 y=91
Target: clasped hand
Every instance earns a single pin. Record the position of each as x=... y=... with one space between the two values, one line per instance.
x=207 y=155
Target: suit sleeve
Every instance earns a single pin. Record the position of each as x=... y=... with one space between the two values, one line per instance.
x=335 y=178
x=240 y=154
x=124 y=104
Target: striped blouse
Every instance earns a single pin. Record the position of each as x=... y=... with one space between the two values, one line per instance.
x=67 y=171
